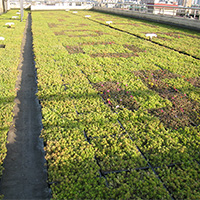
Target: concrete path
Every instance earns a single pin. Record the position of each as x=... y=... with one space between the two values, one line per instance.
x=25 y=174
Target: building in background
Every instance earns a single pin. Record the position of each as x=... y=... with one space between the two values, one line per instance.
x=52 y=4
x=167 y=7
x=154 y=6
x=185 y=3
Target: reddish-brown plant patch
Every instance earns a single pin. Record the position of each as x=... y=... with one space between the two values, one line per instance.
x=97 y=33
x=52 y=25
x=115 y=96
x=84 y=30
x=156 y=74
x=133 y=48
x=74 y=49
x=97 y=43
x=150 y=25
x=175 y=35
x=185 y=34
x=194 y=81
x=81 y=25
x=72 y=30
x=78 y=49
x=184 y=111
x=64 y=16
x=114 y=55
x=163 y=38
x=132 y=24
x=100 y=19
x=61 y=20
x=101 y=33
x=86 y=35
x=59 y=33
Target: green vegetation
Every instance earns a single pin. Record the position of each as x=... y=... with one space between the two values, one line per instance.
x=183 y=40
x=120 y=114
x=9 y=61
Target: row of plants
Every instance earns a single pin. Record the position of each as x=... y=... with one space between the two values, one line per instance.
x=102 y=117
x=10 y=59
x=183 y=40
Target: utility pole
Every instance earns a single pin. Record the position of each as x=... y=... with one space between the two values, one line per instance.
x=21 y=10
x=1 y=6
